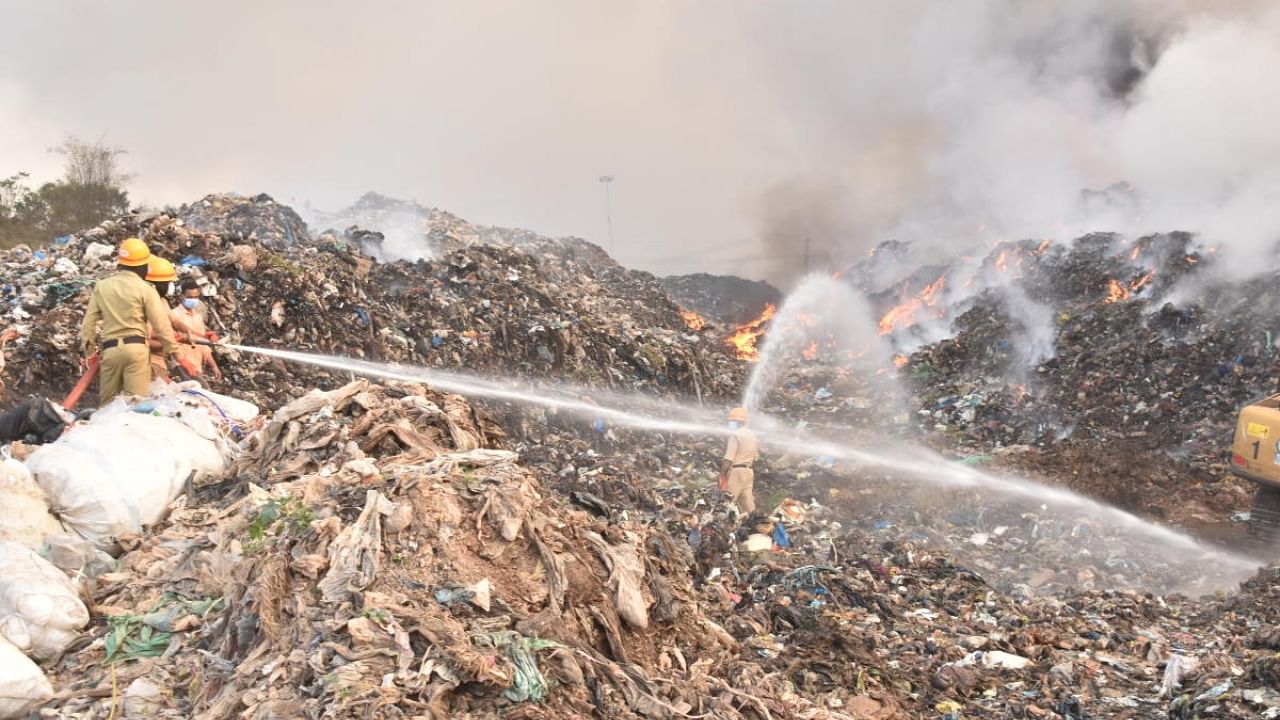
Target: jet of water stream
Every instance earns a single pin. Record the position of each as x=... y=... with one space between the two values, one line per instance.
x=910 y=460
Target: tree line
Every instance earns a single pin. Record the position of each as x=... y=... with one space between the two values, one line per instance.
x=92 y=189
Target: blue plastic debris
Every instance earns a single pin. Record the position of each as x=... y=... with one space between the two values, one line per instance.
x=780 y=537
x=62 y=239
x=598 y=424
x=194 y=261
x=883 y=524
x=436 y=341
x=39 y=255
x=362 y=316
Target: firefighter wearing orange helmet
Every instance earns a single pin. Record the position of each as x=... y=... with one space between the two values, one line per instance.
x=737 y=472
x=116 y=324
x=161 y=274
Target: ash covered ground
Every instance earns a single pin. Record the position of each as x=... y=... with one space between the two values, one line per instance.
x=934 y=562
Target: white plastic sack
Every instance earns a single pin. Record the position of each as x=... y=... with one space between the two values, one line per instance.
x=24 y=513
x=22 y=684
x=121 y=471
x=238 y=410
x=40 y=612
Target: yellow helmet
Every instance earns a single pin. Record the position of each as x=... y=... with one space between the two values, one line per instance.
x=133 y=253
x=738 y=414
x=160 y=270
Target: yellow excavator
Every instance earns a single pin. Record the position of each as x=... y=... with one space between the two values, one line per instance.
x=1255 y=456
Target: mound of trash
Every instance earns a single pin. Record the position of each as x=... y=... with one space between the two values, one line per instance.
x=723 y=298
x=258 y=219
x=378 y=551
x=549 y=309
x=412 y=231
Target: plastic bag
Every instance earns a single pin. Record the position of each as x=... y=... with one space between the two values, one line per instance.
x=40 y=612
x=121 y=471
x=23 y=685
x=24 y=512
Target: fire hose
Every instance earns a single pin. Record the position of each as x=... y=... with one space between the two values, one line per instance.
x=93 y=364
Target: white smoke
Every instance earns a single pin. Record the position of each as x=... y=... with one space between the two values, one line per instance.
x=747 y=137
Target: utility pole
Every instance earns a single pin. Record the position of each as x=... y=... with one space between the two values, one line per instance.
x=607 y=180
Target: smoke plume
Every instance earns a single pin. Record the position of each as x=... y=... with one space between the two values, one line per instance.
x=738 y=133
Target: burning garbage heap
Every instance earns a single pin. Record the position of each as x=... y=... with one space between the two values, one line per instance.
x=549 y=309
x=726 y=299
x=1099 y=340
x=392 y=551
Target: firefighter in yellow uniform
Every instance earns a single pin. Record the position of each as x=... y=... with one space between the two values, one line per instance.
x=124 y=304
x=161 y=275
x=737 y=466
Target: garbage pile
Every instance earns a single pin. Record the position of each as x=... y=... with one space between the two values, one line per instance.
x=1147 y=344
x=548 y=309
x=69 y=503
x=724 y=298
x=257 y=219
x=413 y=231
x=1069 y=353
x=377 y=551
x=372 y=554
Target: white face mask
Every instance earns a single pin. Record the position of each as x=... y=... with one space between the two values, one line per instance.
x=733 y=425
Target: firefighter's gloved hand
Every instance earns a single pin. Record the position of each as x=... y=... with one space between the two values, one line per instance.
x=179 y=336
x=212 y=337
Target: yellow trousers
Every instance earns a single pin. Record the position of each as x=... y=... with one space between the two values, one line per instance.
x=125 y=368
x=739 y=489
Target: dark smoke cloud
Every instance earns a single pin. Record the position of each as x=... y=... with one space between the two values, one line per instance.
x=735 y=130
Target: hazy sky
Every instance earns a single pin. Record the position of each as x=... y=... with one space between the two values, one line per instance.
x=734 y=129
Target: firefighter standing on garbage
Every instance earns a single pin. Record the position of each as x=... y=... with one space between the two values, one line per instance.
x=124 y=304
x=736 y=474
x=191 y=312
x=161 y=274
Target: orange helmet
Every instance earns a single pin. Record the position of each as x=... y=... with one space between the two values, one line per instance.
x=738 y=414
x=133 y=253
x=160 y=270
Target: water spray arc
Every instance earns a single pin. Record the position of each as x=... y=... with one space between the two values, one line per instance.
x=916 y=462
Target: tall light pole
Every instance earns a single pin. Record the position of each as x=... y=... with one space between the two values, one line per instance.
x=607 y=180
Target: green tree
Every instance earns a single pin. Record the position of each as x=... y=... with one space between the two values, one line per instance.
x=91 y=190
x=23 y=212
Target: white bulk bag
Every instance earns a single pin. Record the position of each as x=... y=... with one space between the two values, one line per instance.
x=24 y=512
x=120 y=471
x=40 y=612
x=23 y=685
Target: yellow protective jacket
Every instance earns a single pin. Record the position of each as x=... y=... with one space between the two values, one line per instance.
x=124 y=304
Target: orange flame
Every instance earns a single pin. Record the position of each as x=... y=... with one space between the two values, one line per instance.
x=1137 y=250
x=810 y=351
x=743 y=340
x=931 y=290
x=899 y=315
x=900 y=360
x=1001 y=263
x=902 y=315
x=1142 y=282
x=1192 y=260
x=692 y=320
x=1044 y=245
x=1116 y=292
